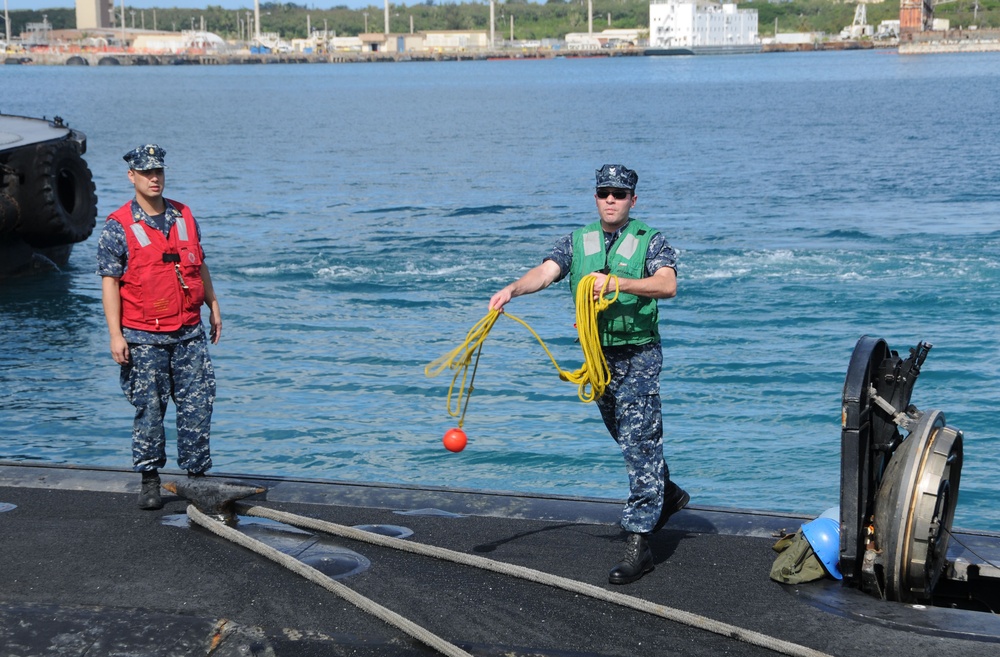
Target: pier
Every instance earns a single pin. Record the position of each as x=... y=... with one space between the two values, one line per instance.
x=77 y=57
x=84 y=58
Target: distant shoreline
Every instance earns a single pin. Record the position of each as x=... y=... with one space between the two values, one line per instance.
x=111 y=58
x=77 y=57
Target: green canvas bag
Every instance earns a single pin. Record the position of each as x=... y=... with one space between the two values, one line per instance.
x=796 y=561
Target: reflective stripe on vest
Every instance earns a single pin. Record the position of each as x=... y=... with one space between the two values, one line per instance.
x=140 y=234
x=628 y=246
x=593 y=242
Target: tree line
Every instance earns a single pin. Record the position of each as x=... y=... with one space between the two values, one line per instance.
x=552 y=19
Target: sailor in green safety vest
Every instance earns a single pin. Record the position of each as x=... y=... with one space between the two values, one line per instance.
x=646 y=267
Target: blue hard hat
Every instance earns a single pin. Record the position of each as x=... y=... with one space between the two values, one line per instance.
x=823 y=535
x=832 y=512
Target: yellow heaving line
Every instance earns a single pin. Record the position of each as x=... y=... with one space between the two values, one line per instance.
x=592 y=377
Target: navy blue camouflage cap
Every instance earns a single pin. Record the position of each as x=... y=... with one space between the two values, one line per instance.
x=617 y=176
x=144 y=158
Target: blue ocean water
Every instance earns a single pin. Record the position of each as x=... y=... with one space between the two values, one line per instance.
x=358 y=218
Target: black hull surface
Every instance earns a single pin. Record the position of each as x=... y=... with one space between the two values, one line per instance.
x=83 y=566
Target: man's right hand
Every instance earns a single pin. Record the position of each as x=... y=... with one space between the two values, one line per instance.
x=500 y=299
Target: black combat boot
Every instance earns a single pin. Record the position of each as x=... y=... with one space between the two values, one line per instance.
x=149 y=496
x=674 y=499
x=637 y=562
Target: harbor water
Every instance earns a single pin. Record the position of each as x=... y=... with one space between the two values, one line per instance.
x=357 y=219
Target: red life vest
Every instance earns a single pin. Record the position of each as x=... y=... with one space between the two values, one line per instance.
x=161 y=289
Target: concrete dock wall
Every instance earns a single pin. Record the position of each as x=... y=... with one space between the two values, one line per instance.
x=61 y=58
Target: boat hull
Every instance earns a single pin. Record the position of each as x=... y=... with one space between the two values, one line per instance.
x=77 y=549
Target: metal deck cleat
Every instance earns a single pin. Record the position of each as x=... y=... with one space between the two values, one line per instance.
x=214 y=498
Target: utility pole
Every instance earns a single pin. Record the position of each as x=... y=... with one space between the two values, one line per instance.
x=6 y=22
x=256 y=20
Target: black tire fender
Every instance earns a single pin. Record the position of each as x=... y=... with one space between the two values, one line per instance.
x=57 y=196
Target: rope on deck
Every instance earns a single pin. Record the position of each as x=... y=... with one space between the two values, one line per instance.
x=531 y=575
x=392 y=618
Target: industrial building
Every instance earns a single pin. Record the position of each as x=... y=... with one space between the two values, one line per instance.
x=702 y=27
x=94 y=14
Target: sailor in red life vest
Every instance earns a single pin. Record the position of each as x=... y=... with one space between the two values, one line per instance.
x=154 y=283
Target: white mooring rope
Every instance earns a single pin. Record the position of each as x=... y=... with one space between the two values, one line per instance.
x=529 y=574
x=392 y=618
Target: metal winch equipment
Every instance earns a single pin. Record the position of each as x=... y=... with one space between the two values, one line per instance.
x=900 y=471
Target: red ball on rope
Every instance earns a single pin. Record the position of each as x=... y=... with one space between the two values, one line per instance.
x=454 y=440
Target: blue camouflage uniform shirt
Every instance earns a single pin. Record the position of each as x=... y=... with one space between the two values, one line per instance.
x=112 y=260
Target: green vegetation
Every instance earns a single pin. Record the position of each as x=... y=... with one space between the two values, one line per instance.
x=59 y=18
x=831 y=17
x=815 y=15
x=984 y=13
x=551 y=20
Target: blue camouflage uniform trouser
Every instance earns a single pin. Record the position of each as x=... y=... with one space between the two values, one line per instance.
x=154 y=374
x=630 y=408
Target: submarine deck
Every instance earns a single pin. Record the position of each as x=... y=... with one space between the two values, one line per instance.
x=85 y=572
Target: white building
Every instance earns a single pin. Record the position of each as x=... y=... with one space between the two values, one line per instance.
x=702 y=27
x=610 y=38
x=456 y=40
x=438 y=41
x=173 y=42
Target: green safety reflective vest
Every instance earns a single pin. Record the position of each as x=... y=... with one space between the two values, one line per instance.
x=631 y=319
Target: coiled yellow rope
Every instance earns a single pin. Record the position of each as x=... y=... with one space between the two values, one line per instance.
x=592 y=378
x=594 y=371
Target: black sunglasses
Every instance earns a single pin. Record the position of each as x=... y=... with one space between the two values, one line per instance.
x=613 y=191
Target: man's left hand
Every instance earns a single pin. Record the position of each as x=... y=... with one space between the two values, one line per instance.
x=215 y=321
x=599 y=282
